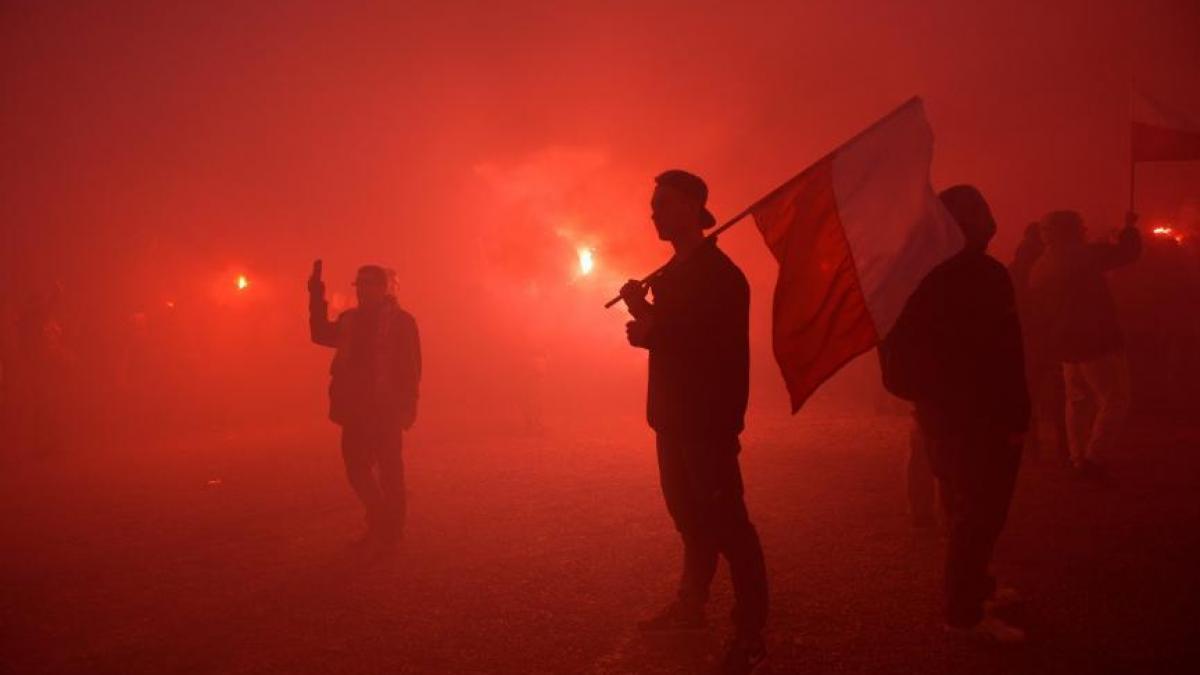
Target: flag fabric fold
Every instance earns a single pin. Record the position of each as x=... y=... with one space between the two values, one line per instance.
x=1161 y=134
x=854 y=234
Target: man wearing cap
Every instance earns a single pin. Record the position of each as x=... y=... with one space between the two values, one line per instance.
x=373 y=394
x=697 y=333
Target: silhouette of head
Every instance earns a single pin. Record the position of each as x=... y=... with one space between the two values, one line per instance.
x=1062 y=228
x=371 y=286
x=677 y=207
x=972 y=213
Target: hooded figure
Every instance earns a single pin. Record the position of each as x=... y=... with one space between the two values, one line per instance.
x=956 y=353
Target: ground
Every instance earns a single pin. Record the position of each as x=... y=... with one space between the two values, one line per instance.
x=537 y=555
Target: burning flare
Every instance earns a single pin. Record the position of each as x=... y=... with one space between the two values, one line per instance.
x=242 y=282
x=1168 y=232
x=587 y=260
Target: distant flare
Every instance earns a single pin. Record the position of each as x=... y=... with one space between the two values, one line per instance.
x=587 y=260
x=242 y=282
x=1168 y=232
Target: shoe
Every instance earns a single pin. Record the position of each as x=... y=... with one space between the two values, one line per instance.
x=1090 y=470
x=676 y=616
x=743 y=656
x=376 y=541
x=989 y=630
x=365 y=540
x=391 y=541
x=1002 y=598
x=924 y=522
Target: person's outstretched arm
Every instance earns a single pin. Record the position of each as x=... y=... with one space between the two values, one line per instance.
x=1127 y=247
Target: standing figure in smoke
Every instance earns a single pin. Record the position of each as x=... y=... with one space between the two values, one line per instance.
x=1072 y=295
x=697 y=332
x=956 y=352
x=373 y=393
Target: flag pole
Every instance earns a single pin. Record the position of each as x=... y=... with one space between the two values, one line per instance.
x=749 y=209
x=1132 y=157
x=712 y=235
x=1132 y=176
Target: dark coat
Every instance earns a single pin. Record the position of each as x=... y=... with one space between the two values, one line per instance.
x=1070 y=298
x=376 y=372
x=699 y=347
x=956 y=350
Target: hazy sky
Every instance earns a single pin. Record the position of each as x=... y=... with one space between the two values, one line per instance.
x=150 y=148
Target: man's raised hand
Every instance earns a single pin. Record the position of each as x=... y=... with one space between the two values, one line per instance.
x=316 y=286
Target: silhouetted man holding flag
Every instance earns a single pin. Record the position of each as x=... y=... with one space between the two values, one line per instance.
x=697 y=332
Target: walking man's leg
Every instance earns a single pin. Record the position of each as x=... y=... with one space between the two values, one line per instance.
x=922 y=486
x=391 y=484
x=700 y=556
x=1046 y=426
x=963 y=579
x=725 y=514
x=358 y=453
x=700 y=546
x=978 y=486
x=1108 y=377
x=1081 y=411
x=741 y=547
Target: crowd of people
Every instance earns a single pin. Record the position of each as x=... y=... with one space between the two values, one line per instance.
x=1102 y=336
x=980 y=350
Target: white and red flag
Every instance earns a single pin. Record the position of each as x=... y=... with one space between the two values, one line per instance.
x=1161 y=134
x=854 y=234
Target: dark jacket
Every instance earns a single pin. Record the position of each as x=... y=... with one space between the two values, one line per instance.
x=376 y=371
x=699 y=347
x=1070 y=297
x=956 y=350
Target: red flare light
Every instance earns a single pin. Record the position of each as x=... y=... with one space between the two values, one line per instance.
x=587 y=260
x=1168 y=232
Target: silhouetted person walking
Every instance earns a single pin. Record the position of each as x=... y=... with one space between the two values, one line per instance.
x=956 y=352
x=373 y=393
x=697 y=332
x=1074 y=302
